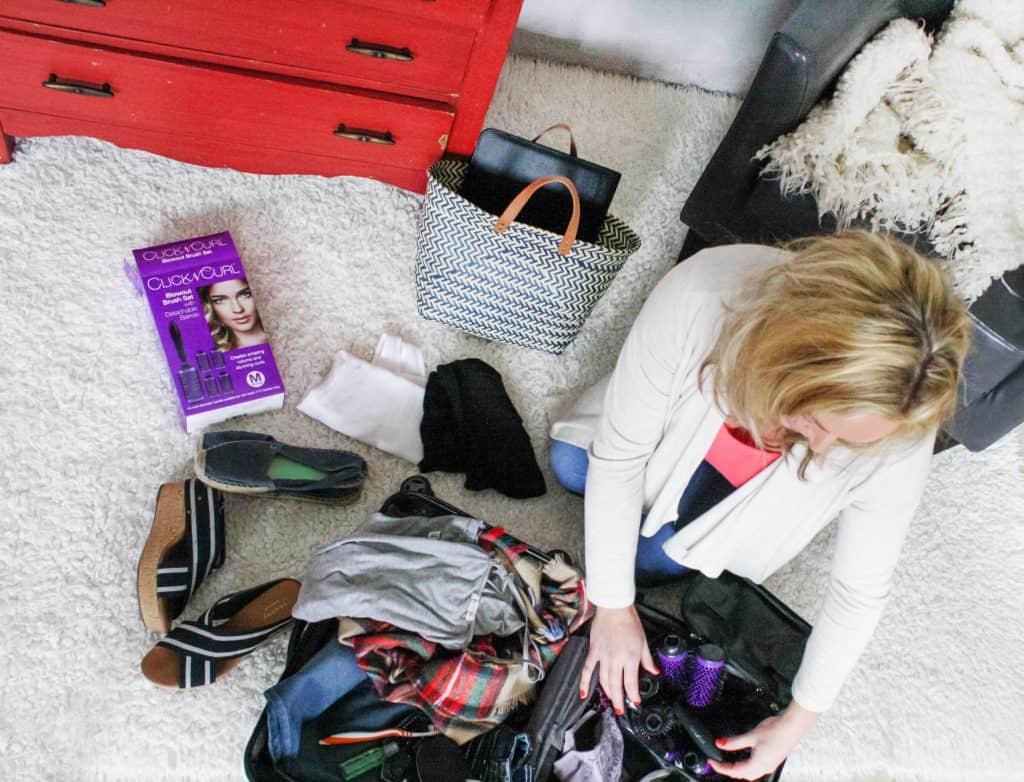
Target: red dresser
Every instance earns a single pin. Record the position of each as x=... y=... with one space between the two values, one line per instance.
x=376 y=88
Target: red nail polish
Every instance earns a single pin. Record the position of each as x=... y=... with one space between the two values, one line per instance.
x=719 y=742
x=618 y=712
x=583 y=694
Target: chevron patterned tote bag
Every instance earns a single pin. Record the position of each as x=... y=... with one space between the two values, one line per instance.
x=507 y=281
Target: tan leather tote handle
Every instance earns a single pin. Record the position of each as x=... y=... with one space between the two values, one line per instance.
x=513 y=209
x=560 y=126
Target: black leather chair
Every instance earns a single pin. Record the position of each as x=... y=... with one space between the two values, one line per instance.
x=991 y=399
x=731 y=202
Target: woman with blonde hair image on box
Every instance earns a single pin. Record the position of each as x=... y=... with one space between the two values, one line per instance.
x=231 y=314
x=762 y=393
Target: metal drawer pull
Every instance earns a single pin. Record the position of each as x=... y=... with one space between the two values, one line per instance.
x=90 y=3
x=380 y=51
x=368 y=136
x=79 y=87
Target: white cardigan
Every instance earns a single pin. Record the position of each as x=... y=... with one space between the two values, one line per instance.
x=648 y=426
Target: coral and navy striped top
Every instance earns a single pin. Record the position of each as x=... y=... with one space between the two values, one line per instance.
x=732 y=460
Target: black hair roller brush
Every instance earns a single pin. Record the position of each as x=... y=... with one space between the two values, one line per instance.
x=697 y=731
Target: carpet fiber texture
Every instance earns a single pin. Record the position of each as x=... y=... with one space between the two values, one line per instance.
x=93 y=431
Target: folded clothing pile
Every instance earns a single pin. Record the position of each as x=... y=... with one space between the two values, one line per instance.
x=459 y=420
x=466 y=634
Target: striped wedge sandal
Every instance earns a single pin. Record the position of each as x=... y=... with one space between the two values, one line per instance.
x=185 y=543
x=197 y=653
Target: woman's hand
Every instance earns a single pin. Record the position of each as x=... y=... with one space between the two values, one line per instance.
x=769 y=743
x=618 y=647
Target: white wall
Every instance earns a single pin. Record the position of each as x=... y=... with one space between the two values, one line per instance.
x=714 y=44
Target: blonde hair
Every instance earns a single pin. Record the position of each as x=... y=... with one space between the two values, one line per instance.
x=855 y=323
x=223 y=337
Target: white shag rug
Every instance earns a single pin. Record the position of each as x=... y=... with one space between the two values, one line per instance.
x=925 y=136
x=93 y=430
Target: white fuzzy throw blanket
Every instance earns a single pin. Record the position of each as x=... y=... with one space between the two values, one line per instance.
x=923 y=137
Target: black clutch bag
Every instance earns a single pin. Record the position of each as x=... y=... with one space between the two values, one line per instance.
x=504 y=164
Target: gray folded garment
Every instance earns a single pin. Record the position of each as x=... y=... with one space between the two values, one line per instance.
x=424 y=575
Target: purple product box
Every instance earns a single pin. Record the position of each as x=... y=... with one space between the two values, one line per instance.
x=210 y=328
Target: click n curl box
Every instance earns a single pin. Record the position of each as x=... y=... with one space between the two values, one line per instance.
x=209 y=323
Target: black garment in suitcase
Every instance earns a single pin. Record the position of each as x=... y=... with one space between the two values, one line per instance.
x=762 y=639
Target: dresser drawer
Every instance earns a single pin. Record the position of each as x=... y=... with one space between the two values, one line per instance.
x=332 y=40
x=211 y=152
x=468 y=13
x=154 y=94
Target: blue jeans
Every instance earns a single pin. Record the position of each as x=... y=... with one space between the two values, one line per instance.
x=653 y=566
x=331 y=673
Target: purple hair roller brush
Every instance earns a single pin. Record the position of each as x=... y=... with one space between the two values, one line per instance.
x=672 y=661
x=673 y=754
x=708 y=665
x=210 y=386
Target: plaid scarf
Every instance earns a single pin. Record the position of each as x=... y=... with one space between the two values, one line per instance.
x=467 y=692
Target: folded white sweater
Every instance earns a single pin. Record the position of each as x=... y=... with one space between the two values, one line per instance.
x=378 y=402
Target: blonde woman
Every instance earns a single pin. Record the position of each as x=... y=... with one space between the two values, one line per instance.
x=760 y=394
x=231 y=314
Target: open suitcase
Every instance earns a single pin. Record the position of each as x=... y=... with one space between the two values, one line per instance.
x=762 y=642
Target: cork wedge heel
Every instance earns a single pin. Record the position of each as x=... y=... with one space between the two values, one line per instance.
x=185 y=543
